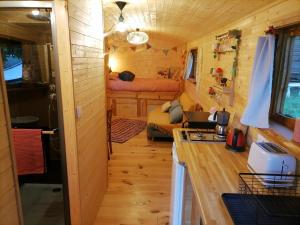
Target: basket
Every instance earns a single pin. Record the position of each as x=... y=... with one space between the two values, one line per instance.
x=275 y=197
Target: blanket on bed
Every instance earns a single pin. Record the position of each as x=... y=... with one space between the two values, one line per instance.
x=145 y=84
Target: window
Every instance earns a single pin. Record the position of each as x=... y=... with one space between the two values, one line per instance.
x=285 y=105
x=12 y=59
x=192 y=65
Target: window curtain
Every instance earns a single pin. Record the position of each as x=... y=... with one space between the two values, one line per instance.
x=189 y=65
x=256 y=113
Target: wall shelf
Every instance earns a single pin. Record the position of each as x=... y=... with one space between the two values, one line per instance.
x=227 y=43
x=27 y=87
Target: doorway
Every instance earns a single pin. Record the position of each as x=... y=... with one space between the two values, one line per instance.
x=30 y=74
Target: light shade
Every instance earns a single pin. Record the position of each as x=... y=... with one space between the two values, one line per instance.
x=121 y=26
x=137 y=37
x=35 y=12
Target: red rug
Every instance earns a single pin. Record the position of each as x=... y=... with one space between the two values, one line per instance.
x=124 y=129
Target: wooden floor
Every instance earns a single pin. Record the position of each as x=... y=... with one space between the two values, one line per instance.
x=139 y=184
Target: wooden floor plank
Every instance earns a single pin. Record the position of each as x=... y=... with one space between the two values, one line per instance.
x=139 y=184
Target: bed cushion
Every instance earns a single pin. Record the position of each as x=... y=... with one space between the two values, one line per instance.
x=174 y=104
x=176 y=115
x=144 y=84
x=186 y=102
x=126 y=76
x=166 y=106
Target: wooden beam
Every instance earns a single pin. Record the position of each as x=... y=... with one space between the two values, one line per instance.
x=64 y=84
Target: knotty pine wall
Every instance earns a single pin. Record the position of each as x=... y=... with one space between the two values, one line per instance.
x=86 y=28
x=278 y=13
x=145 y=62
x=9 y=211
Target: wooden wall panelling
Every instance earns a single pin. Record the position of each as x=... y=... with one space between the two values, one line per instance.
x=64 y=84
x=86 y=28
x=252 y=26
x=10 y=204
x=145 y=62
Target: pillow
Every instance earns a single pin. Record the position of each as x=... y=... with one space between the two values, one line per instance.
x=174 y=104
x=176 y=114
x=166 y=106
x=162 y=73
x=126 y=76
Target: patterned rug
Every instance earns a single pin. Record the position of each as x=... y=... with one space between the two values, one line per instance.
x=124 y=129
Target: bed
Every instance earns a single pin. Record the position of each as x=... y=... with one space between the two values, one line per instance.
x=145 y=85
x=138 y=97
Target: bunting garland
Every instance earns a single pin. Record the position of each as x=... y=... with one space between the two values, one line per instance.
x=145 y=47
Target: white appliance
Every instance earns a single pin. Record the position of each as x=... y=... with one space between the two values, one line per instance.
x=177 y=191
x=269 y=158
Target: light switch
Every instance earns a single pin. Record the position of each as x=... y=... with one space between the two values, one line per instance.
x=78 y=112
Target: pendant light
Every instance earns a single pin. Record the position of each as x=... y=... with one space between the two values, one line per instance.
x=137 y=37
x=121 y=26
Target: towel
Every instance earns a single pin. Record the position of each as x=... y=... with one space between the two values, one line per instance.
x=256 y=113
x=29 y=151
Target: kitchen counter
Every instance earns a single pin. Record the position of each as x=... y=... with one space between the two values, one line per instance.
x=213 y=170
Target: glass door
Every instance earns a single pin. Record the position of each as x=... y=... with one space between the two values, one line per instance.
x=30 y=78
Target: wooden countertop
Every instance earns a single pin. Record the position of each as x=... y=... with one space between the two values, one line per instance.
x=213 y=170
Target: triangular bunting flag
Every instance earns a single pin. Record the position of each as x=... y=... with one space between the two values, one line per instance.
x=115 y=48
x=165 y=51
x=133 y=48
x=148 y=46
x=174 y=49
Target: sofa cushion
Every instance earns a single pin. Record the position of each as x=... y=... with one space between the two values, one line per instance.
x=166 y=106
x=174 y=104
x=176 y=114
x=186 y=102
x=162 y=120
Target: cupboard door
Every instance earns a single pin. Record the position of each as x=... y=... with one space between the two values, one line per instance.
x=126 y=107
x=187 y=201
x=191 y=209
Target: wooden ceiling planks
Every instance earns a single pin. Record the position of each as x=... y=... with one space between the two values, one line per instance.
x=16 y=24
x=184 y=19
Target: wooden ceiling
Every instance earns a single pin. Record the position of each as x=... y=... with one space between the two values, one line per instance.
x=19 y=17
x=183 y=19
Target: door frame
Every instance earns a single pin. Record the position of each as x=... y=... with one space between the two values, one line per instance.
x=65 y=104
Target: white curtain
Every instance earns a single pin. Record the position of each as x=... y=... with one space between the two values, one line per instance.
x=256 y=113
x=189 y=66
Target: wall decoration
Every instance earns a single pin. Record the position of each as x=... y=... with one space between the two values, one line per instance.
x=165 y=51
x=144 y=47
x=227 y=42
x=133 y=48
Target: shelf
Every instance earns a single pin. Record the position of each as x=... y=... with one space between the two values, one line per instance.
x=27 y=87
x=224 y=90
